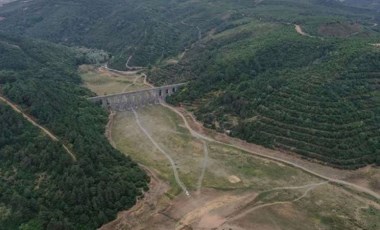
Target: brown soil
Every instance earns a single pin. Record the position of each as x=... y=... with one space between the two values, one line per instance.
x=339 y=29
x=234 y=179
x=299 y=30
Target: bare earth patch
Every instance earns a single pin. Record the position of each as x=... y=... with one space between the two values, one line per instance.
x=234 y=179
x=299 y=30
x=104 y=81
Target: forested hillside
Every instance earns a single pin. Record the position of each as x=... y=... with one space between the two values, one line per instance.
x=148 y=30
x=153 y=30
x=41 y=187
x=317 y=98
x=315 y=94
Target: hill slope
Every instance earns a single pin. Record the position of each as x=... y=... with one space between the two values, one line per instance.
x=154 y=30
x=41 y=186
x=252 y=75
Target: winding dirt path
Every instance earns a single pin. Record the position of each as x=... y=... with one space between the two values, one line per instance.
x=43 y=129
x=198 y=136
x=132 y=67
x=172 y=163
x=108 y=131
x=277 y=159
x=204 y=167
x=146 y=82
x=309 y=188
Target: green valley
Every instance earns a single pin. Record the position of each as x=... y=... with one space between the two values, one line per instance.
x=272 y=83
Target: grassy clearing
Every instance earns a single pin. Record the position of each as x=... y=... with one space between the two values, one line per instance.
x=168 y=130
x=103 y=82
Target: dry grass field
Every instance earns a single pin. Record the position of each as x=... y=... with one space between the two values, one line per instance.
x=229 y=188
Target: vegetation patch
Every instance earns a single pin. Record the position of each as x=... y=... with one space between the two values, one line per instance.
x=39 y=183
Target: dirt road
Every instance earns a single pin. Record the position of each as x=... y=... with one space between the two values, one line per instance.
x=172 y=163
x=245 y=212
x=43 y=129
x=308 y=187
x=132 y=67
x=204 y=166
x=277 y=159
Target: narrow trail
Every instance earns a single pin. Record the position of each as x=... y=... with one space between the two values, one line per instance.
x=146 y=82
x=192 y=131
x=176 y=175
x=295 y=187
x=132 y=67
x=198 y=136
x=309 y=188
x=135 y=80
x=43 y=129
x=108 y=131
x=287 y=162
x=204 y=167
x=126 y=87
x=105 y=66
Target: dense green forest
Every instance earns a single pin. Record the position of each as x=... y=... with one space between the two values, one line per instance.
x=152 y=30
x=148 y=30
x=41 y=187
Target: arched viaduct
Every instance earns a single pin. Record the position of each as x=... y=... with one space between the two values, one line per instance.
x=129 y=100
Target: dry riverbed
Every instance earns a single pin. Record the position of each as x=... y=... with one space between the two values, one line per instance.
x=229 y=188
